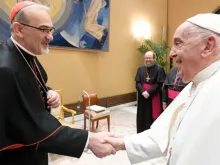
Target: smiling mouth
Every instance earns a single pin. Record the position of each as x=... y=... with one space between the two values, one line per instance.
x=178 y=61
x=46 y=44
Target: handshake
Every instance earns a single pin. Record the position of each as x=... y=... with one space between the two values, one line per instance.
x=105 y=143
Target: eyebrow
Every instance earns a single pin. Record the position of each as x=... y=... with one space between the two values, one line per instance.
x=44 y=26
x=177 y=39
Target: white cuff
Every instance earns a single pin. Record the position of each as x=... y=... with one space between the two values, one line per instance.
x=87 y=142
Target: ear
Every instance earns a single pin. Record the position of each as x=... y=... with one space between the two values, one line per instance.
x=17 y=29
x=210 y=46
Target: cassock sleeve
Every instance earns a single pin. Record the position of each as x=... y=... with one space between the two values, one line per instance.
x=26 y=123
x=139 y=87
x=164 y=93
x=160 y=77
x=161 y=74
x=142 y=147
x=168 y=82
x=154 y=89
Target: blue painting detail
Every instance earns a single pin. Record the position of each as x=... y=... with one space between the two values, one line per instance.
x=84 y=24
x=76 y=35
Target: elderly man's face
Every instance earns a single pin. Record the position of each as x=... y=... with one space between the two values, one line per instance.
x=36 y=38
x=149 y=58
x=186 y=51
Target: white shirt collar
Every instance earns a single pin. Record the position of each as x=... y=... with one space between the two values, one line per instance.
x=207 y=72
x=27 y=51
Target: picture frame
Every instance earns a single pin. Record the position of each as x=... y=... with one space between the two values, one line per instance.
x=217 y=10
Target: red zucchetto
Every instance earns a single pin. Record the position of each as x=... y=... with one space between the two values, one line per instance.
x=18 y=7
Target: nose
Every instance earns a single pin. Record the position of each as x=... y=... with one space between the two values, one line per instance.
x=172 y=53
x=49 y=36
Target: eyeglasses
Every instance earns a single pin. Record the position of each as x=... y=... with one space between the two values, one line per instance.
x=43 y=29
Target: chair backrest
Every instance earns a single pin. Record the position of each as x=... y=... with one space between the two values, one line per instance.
x=57 y=111
x=59 y=91
x=93 y=100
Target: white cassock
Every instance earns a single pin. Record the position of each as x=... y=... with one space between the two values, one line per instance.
x=188 y=131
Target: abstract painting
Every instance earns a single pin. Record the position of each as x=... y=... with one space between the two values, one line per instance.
x=82 y=24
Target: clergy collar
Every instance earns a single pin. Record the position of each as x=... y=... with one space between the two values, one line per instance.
x=20 y=46
x=206 y=73
x=149 y=66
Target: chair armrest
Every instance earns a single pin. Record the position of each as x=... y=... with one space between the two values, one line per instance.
x=58 y=117
x=68 y=110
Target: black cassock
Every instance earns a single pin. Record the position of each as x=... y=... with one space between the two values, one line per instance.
x=173 y=84
x=28 y=130
x=156 y=75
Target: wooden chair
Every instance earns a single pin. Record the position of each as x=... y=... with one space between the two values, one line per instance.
x=59 y=112
x=95 y=116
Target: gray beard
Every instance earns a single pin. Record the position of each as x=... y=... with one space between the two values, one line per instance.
x=148 y=66
x=45 y=51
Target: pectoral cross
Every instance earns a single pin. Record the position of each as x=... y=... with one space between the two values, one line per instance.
x=148 y=79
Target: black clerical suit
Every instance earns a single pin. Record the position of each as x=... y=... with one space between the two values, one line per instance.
x=172 y=86
x=153 y=76
x=28 y=130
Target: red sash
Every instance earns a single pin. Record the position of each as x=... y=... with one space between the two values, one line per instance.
x=156 y=107
x=172 y=94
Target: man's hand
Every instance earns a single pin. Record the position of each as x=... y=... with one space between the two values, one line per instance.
x=53 y=99
x=164 y=105
x=101 y=150
x=116 y=142
x=145 y=94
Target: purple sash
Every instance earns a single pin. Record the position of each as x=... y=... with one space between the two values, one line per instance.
x=156 y=107
x=172 y=94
